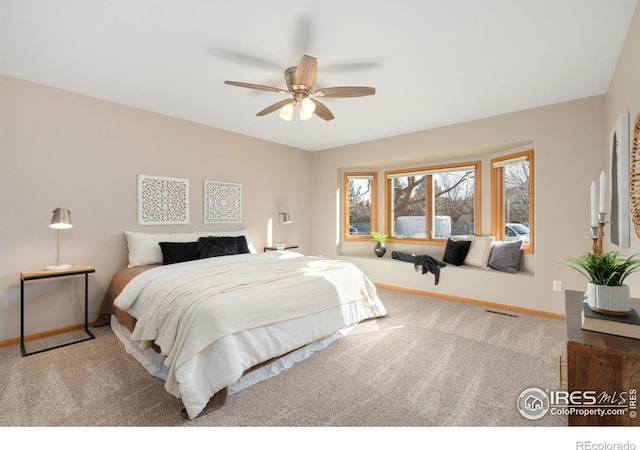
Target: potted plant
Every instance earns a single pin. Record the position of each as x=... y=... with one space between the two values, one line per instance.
x=606 y=273
x=380 y=239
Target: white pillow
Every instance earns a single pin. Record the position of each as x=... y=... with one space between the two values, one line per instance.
x=230 y=233
x=480 y=251
x=144 y=248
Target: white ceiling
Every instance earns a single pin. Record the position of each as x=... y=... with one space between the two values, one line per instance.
x=432 y=62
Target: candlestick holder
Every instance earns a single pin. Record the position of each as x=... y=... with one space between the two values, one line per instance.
x=597 y=234
x=602 y=218
x=601 y=222
x=596 y=247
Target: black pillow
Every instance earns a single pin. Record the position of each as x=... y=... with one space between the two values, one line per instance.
x=456 y=251
x=505 y=256
x=212 y=246
x=175 y=252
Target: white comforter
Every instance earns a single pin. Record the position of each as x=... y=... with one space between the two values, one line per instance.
x=215 y=318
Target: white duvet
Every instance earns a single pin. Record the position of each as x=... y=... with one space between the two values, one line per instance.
x=215 y=318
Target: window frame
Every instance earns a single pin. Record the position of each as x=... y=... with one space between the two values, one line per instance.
x=497 y=197
x=428 y=172
x=346 y=211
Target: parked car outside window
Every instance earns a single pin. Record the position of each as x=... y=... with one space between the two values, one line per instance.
x=516 y=231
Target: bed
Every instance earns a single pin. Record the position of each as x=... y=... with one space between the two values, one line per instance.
x=215 y=322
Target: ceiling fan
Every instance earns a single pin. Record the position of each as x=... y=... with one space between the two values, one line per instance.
x=303 y=98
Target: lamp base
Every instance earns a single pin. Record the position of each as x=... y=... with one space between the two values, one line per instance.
x=60 y=267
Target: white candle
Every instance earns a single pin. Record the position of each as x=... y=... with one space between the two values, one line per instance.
x=603 y=190
x=594 y=205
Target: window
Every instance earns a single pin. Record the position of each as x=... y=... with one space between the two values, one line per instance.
x=512 y=198
x=360 y=205
x=433 y=203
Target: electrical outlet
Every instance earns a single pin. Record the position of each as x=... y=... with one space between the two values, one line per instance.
x=557 y=285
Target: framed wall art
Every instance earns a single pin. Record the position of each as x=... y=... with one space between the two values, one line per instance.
x=222 y=202
x=635 y=175
x=620 y=190
x=163 y=200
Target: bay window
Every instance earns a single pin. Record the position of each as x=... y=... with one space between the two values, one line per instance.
x=360 y=212
x=512 y=198
x=433 y=203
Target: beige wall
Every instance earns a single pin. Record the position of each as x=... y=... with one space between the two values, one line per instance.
x=568 y=139
x=63 y=149
x=571 y=148
x=624 y=97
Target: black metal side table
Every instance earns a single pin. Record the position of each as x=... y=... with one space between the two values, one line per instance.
x=42 y=274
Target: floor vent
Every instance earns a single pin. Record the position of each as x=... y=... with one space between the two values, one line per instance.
x=502 y=313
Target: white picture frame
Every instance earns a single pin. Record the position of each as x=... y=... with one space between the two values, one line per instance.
x=222 y=202
x=163 y=200
x=620 y=182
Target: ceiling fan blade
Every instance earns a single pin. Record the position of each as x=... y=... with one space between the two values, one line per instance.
x=345 y=91
x=350 y=67
x=243 y=58
x=256 y=86
x=302 y=35
x=274 y=107
x=306 y=72
x=321 y=110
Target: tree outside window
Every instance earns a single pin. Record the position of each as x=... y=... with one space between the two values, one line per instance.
x=512 y=198
x=360 y=205
x=409 y=206
x=516 y=193
x=454 y=198
x=433 y=203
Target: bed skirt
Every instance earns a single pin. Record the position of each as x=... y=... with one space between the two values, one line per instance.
x=153 y=362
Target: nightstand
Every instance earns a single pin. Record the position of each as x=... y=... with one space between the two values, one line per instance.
x=280 y=247
x=42 y=274
x=601 y=363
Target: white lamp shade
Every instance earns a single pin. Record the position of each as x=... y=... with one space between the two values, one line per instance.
x=305 y=115
x=286 y=113
x=307 y=106
x=61 y=218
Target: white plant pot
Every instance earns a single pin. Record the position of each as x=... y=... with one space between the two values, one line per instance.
x=608 y=299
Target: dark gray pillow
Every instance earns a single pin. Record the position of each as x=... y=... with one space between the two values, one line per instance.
x=505 y=256
x=456 y=251
x=221 y=246
x=175 y=252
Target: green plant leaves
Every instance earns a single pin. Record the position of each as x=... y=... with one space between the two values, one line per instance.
x=379 y=237
x=609 y=269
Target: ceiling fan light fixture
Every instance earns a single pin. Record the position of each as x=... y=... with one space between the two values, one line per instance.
x=307 y=106
x=286 y=113
x=305 y=115
x=302 y=105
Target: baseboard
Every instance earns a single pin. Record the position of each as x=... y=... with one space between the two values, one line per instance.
x=472 y=301
x=44 y=334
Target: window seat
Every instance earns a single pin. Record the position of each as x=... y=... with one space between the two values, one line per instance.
x=465 y=283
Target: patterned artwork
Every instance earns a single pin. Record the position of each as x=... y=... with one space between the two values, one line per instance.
x=163 y=200
x=222 y=202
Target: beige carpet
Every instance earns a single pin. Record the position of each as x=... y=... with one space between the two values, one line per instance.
x=430 y=362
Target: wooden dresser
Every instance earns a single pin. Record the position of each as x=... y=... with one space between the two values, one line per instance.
x=600 y=362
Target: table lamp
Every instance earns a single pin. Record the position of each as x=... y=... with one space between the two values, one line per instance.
x=284 y=219
x=61 y=219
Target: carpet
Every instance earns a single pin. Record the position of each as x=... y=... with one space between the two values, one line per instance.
x=428 y=363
